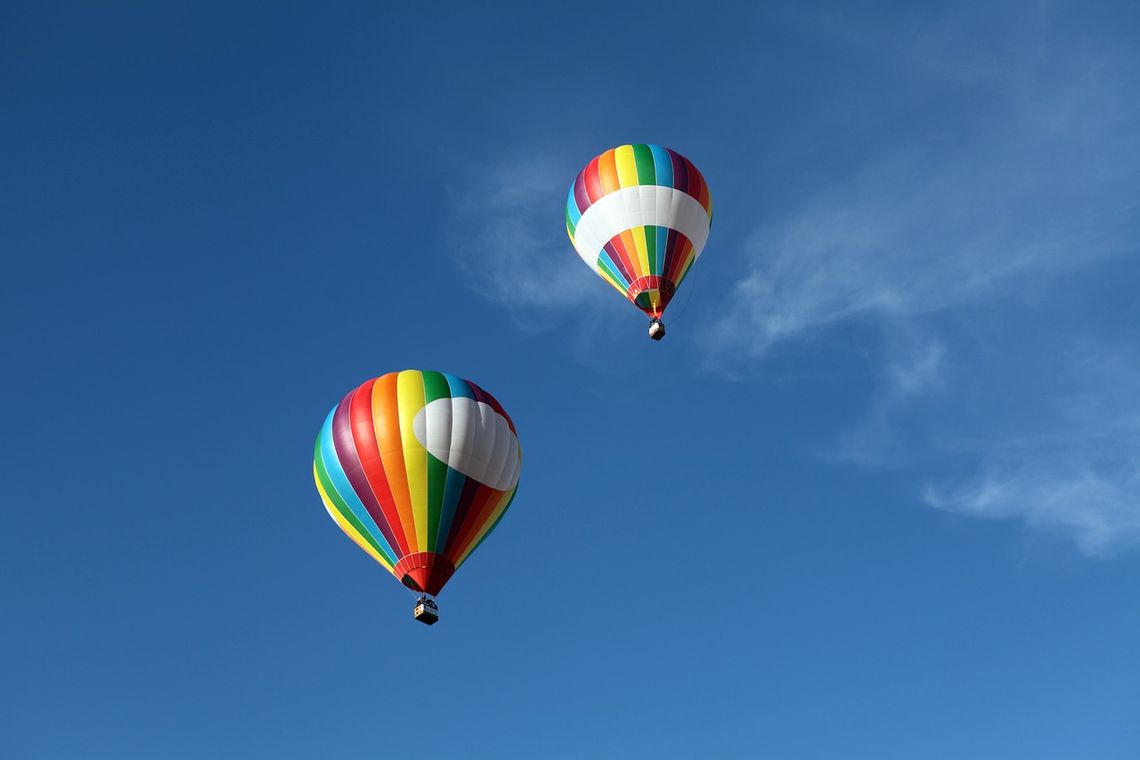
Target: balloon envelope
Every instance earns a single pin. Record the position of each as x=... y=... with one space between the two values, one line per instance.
x=418 y=468
x=639 y=216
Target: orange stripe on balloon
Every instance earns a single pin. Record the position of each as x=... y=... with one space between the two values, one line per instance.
x=630 y=246
x=368 y=451
x=386 y=417
x=689 y=258
x=607 y=172
x=623 y=257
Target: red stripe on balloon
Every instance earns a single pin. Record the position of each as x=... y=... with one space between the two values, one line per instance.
x=699 y=188
x=593 y=182
x=346 y=454
x=620 y=260
x=471 y=490
x=368 y=450
x=617 y=248
x=681 y=249
x=581 y=197
x=475 y=516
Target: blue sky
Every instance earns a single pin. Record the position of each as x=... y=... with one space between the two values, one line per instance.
x=877 y=494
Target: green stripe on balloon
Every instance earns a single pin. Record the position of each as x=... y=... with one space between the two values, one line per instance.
x=654 y=266
x=643 y=158
x=618 y=279
x=435 y=387
x=343 y=508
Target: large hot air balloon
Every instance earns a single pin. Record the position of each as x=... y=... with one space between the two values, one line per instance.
x=418 y=468
x=639 y=216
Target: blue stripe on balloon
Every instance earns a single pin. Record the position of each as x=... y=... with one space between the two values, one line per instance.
x=451 y=493
x=458 y=386
x=572 y=208
x=662 y=165
x=340 y=481
x=607 y=263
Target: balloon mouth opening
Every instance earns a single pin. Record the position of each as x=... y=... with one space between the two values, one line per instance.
x=424 y=572
x=651 y=294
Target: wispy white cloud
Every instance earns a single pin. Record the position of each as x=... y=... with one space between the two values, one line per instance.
x=513 y=247
x=922 y=371
x=1037 y=179
x=915 y=371
x=1078 y=474
x=1042 y=179
x=1098 y=509
x=1065 y=459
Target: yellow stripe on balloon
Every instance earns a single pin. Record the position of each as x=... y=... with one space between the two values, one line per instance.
x=626 y=166
x=638 y=234
x=410 y=392
x=347 y=527
x=386 y=423
x=610 y=279
x=640 y=263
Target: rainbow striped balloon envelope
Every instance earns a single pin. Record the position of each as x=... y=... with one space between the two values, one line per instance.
x=418 y=468
x=639 y=216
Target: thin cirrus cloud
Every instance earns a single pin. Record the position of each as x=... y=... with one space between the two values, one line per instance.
x=1043 y=183
x=919 y=232
x=914 y=373
x=1039 y=180
x=1097 y=509
x=1055 y=444
x=515 y=251
x=1076 y=473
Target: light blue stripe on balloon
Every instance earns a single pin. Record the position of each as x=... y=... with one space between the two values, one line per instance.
x=458 y=386
x=663 y=165
x=572 y=207
x=606 y=263
x=344 y=488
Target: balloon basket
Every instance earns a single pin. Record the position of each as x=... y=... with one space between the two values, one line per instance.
x=657 y=329
x=426 y=611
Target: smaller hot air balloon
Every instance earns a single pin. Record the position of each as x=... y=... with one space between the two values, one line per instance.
x=639 y=216
x=418 y=468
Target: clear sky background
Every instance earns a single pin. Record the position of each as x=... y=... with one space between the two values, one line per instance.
x=876 y=495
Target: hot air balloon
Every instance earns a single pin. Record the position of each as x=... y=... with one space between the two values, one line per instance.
x=418 y=468
x=639 y=216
